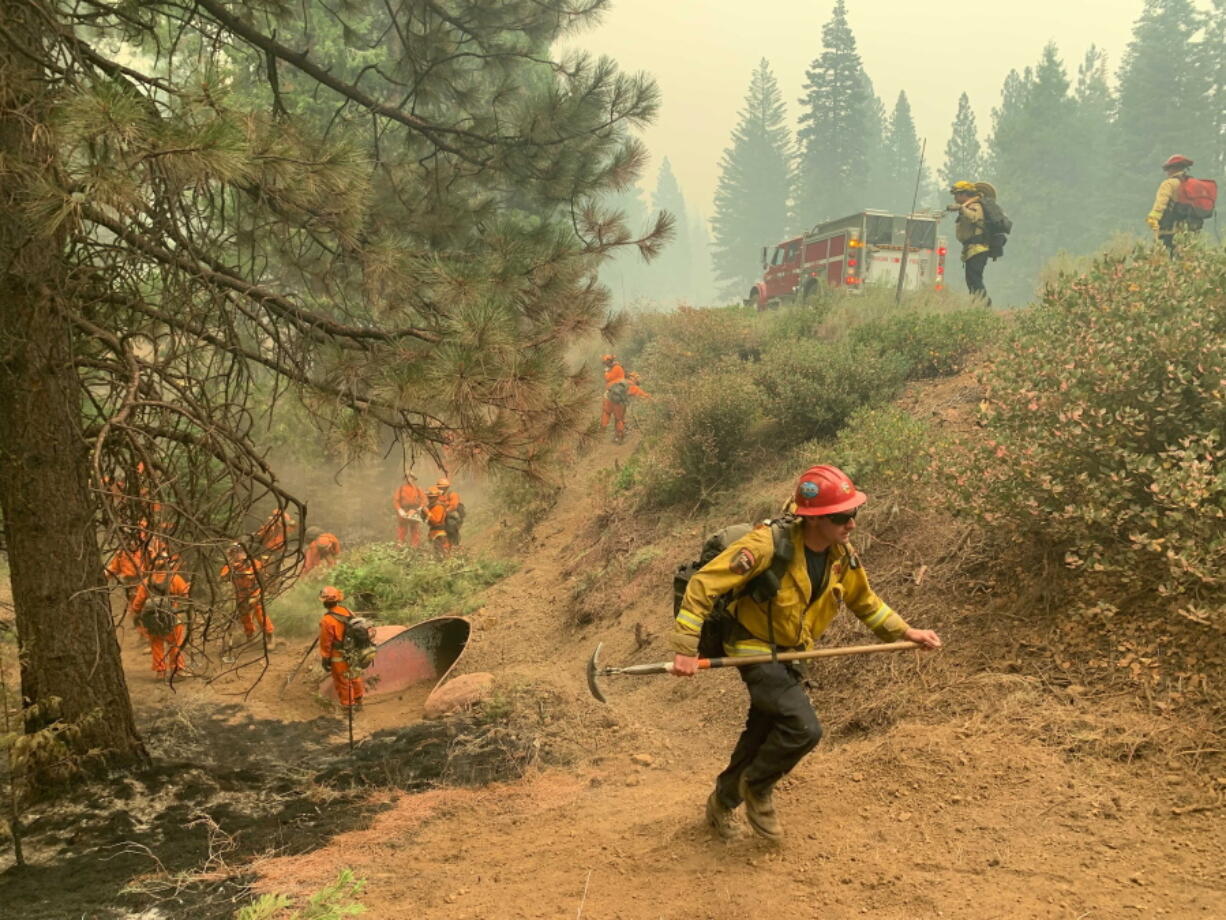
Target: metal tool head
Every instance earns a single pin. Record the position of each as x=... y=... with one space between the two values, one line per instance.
x=594 y=671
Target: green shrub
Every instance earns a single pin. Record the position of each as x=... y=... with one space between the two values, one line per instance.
x=811 y=387
x=933 y=344
x=1106 y=422
x=706 y=435
x=886 y=446
x=330 y=903
x=692 y=341
x=395 y=583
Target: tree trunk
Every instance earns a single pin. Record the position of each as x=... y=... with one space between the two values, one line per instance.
x=67 y=645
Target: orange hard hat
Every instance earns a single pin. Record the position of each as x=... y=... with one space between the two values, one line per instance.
x=1177 y=161
x=331 y=595
x=443 y=484
x=609 y=359
x=634 y=376
x=433 y=493
x=826 y=490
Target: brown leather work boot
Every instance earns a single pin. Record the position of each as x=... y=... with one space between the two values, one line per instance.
x=719 y=817
x=760 y=811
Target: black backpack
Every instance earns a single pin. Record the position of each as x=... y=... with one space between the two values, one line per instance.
x=996 y=226
x=160 y=615
x=357 y=642
x=619 y=393
x=762 y=587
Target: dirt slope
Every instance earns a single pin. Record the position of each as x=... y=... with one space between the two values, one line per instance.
x=989 y=795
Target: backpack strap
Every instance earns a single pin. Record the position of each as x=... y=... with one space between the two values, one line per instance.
x=765 y=586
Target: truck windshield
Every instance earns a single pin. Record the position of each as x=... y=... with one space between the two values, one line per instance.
x=888 y=230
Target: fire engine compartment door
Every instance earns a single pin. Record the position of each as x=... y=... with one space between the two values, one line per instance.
x=883 y=265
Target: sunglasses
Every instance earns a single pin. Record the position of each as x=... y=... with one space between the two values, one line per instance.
x=842 y=517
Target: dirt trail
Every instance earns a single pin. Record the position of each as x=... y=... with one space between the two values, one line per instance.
x=963 y=817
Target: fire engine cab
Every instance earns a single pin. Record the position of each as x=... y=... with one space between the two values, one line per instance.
x=850 y=253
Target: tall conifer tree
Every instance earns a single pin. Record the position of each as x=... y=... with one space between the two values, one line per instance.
x=963 y=152
x=671 y=272
x=902 y=148
x=755 y=186
x=837 y=126
x=1164 y=97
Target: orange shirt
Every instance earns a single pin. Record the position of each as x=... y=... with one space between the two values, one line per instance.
x=332 y=631
x=243 y=577
x=614 y=374
x=324 y=548
x=450 y=501
x=178 y=587
x=274 y=532
x=126 y=564
x=408 y=498
x=436 y=515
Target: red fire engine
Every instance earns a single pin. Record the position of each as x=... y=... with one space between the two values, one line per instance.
x=850 y=253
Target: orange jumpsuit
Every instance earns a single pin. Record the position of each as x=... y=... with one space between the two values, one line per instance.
x=274 y=533
x=436 y=517
x=331 y=632
x=167 y=648
x=609 y=408
x=248 y=595
x=323 y=551
x=408 y=499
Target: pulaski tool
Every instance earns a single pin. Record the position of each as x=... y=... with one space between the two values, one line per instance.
x=595 y=671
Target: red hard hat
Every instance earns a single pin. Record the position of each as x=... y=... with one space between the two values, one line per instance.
x=1178 y=160
x=331 y=595
x=826 y=490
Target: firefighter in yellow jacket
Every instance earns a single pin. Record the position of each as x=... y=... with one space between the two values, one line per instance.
x=1166 y=217
x=971 y=229
x=824 y=571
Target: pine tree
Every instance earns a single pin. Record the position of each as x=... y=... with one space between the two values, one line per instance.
x=754 y=190
x=342 y=208
x=902 y=149
x=1213 y=60
x=1028 y=149
x=837 y=127
x=1165 y=93
x=1092 y=142
x=963 y=153
x=671 y=272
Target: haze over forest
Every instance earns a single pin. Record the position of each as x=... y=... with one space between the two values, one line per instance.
x=1068 y=101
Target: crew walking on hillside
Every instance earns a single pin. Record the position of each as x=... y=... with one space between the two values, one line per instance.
x=616 y=395
x=332 y=628
x=1182 y=203
x=244 y=574
x=410 y=504
x=824 y=570
x=972 y=232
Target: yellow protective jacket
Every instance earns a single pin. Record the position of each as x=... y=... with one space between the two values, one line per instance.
x=1167 y=189
x=971 y=228
x=797 y=623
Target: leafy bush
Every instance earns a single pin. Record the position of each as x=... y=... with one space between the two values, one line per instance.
x=1106 y=422
x=329 y=903
x=933 y=344
x=397 y=584
x=811 y=387
x=690 y=342
x=879 y=447
x=707 y=435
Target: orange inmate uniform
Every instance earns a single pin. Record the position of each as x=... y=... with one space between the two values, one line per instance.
x=436 y=516
x=331 y=632
x=274 y=532
x=609 y=408
x=323 y=551
x=408 y=498
x=167 y=648
x=248 y=596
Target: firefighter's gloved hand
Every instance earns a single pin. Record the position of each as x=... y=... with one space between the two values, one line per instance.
x=1153 y=223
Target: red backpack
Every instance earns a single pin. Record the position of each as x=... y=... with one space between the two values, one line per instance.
x=1197 y=196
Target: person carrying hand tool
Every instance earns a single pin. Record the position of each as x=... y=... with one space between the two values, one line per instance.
x=409 y=501
x=824 y=569
x=332 y=626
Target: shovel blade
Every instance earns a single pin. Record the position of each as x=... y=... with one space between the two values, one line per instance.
x=593 y=673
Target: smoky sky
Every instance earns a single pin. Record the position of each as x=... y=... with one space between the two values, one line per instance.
x=702 y=53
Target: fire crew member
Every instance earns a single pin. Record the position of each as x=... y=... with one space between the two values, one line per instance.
x=410 y=503
x=167 y=589
x=331 y=634
x=1167 y=217
x=275 y=532
x=244 y=575
x=782 y=726
x=322 y=551
x=614 y=404
x=454 y=508
x=971 y=230
x=436 y=520
x=126 y=567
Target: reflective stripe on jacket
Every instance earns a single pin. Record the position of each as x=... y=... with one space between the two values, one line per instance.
x=797 y=622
